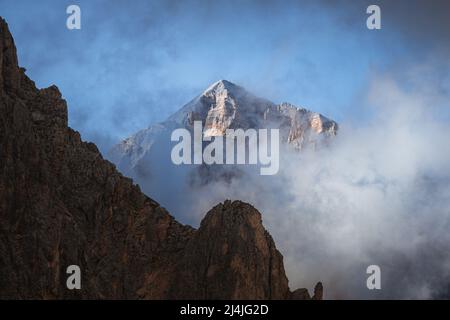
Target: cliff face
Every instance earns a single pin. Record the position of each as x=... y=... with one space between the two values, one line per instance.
x=231 y=255
x=225 y=105
x=62 y=204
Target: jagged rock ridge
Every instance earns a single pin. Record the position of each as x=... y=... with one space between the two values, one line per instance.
x=225 y=105
x=61 y=203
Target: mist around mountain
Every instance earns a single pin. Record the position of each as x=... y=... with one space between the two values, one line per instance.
x=373 y=192
x=146 y=156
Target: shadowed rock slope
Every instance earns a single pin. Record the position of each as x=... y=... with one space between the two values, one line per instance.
x=62 y=204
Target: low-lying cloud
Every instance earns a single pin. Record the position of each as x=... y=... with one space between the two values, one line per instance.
x=380 y=194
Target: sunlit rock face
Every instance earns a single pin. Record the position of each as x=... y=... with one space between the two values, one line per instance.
x=223 y=106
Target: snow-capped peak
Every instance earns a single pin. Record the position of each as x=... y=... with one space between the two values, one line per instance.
x=225 y=105
x=223 y=85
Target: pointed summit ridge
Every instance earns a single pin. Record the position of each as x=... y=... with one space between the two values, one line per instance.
x=220 y=103
x=223 y=85
x=225 y=105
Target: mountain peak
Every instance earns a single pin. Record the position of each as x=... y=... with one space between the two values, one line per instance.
x=225 y=105
x=222 y=85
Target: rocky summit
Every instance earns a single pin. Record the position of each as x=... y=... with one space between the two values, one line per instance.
x=62 y=204
x=146 y=155
x=225 y=105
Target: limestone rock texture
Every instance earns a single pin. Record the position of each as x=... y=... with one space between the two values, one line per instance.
x=62 y=204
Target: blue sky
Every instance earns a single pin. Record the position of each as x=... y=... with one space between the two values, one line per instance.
x=135 y=63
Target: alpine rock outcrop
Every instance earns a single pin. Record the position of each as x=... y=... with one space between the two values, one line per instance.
x=222 y=106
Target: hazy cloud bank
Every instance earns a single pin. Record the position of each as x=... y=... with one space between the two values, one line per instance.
x=379 y=195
